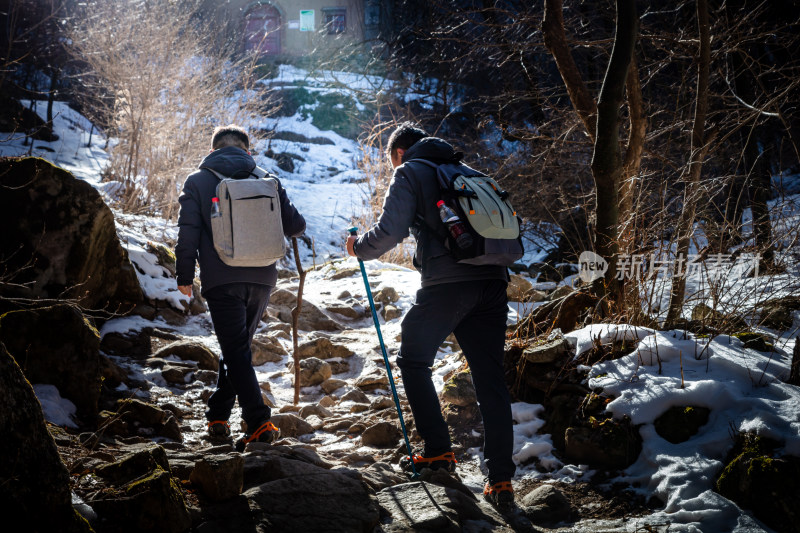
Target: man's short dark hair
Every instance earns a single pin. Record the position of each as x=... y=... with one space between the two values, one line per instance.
x=230 y=135
x=404 y=137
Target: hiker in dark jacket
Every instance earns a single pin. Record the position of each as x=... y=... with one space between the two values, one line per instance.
x=464 y=299
x=236 y=296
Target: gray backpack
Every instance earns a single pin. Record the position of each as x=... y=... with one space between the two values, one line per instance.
x=246 y=229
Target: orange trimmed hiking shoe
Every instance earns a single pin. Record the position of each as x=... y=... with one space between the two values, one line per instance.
x=219 y=432
x=266 y=432
x=500 y=494
x=446 y=461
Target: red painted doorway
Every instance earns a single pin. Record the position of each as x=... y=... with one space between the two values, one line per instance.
x=262 y=30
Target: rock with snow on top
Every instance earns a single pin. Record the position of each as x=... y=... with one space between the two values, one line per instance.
x=386 y=295
x=342 y=273
x=373 y=381
x=390 y=312
x=311 y=317
x=176 y=375
x=313 y=371
x=190 y=351
x=338 y=366
x=546 y=352
x=58 y=346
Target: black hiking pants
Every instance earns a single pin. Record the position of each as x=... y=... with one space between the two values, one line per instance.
x=235 y=311
x=476 y=312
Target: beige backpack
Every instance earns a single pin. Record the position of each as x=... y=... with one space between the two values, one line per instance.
x=246 y=229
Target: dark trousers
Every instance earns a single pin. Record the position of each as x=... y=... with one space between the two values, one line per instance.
x=235 y=310
x=476 y=312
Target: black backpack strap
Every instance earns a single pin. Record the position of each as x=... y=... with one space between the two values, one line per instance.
x=215 y=173
x=420 y=224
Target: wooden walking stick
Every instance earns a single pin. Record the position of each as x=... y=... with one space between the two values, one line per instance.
x=295 y=319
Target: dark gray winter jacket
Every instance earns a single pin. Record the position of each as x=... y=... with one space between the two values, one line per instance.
x=194 y=224
x=414 y=189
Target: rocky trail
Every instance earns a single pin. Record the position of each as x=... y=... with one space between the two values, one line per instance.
x=334 y=468
x=95 y=339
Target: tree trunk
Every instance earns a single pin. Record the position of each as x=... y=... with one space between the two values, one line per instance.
x=51 y=96
x=760 y=182
x=606 y=158
x=636 y=135
x=698 y=152
x=556 y=42
x=794 y=373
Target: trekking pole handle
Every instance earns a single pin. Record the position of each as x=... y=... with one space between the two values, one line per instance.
x=352 y=231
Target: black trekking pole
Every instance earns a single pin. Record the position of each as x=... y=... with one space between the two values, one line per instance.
x=354 y=231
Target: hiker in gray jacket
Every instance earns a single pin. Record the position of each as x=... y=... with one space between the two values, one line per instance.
x=464 y=299
x=236 y=296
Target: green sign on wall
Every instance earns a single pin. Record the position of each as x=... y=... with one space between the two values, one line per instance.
x=306 y=20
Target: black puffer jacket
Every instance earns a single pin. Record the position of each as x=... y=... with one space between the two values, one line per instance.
x=414 y=189
x=194 y=224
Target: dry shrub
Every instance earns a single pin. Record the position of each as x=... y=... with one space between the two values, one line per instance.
x=378 y=173
x=158 y=88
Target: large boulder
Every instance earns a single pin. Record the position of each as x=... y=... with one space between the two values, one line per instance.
x=219 y=477
x=608 y=444
x=153 y=502
x=295 y=496
x=59 y=239
x=421 y=506
x=58 y=346
x=34 y=483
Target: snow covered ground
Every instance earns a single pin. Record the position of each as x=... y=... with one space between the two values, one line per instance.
x=744 y=389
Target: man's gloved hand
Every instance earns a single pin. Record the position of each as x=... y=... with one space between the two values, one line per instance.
x=351 y=240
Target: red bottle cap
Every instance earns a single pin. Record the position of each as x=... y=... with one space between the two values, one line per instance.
x=440 y=203
x=215 y=199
